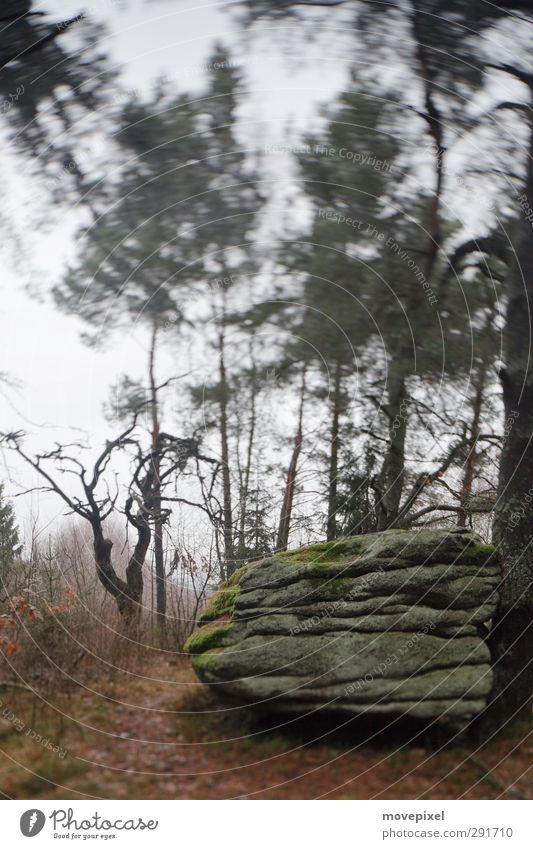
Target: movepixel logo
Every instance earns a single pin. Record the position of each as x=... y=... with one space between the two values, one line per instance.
x=32 y=822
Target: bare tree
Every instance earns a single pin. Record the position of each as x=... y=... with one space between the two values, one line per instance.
x=142 y=506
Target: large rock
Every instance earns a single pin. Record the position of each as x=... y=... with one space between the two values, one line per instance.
x=389 y=623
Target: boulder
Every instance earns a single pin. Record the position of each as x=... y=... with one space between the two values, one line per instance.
x=386 y=623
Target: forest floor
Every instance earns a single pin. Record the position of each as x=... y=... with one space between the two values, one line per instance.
x=156 y=733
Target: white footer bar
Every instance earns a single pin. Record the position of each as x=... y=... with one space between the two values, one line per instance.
x=268 y=824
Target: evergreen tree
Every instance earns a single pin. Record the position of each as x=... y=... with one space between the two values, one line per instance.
x=175 y=216
x=10 y=546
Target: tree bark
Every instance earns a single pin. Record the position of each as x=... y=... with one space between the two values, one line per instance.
x=472 y=456
x=245 y=478
x=159 y=556
x=107 y=576
x=284 y=526
x=229 y=553
x=132 y=607
x=433 y=119
x=390 y=481
x=128 y=593
x=334 y=455
x=511 y=638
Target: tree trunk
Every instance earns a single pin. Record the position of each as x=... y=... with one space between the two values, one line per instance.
x=229 y=554
x=511 y=638
x=245 y=479
x=159 y=557
x=107 y=576
x=132 y=604
x=390 y=481
x=290 y=486
x=472 y=456
x=334 y=455
x=128 y=593
x=433 y=119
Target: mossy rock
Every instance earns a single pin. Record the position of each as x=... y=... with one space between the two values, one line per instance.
x=299 y=630
x=222 y=602
x=208 y=637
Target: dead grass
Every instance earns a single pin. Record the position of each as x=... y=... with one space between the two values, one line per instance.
x=155 y=732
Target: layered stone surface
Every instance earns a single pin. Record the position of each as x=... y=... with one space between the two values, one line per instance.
x=387 y=623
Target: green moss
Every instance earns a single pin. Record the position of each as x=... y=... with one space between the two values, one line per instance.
x=485 y=548
x=205 y=662
x=220 y=604
x=325 y=552
x=479 y=554
x=323 y=568
x=237 y=575
x=207 y=638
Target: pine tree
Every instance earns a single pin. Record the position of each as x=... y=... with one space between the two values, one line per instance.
x=10 y=546
x=174 y=217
